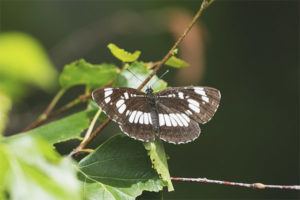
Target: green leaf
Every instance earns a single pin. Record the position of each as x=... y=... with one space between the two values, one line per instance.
x=24 y=60
x=118 y=169
x=5 y=107
x=158 y=158
x=176 y=62
x=123 y=55
x=61 y=130
x=31 y=169
x=83 y=73
x=127 y=79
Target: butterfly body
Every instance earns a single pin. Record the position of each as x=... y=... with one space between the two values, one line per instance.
x=172 y=114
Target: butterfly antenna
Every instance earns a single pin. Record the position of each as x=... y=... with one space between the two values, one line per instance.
x=160 y=77
x=134 y=75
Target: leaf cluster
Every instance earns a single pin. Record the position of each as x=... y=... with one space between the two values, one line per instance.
x=119 y=168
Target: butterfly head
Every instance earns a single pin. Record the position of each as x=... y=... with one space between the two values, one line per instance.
x=149 y=90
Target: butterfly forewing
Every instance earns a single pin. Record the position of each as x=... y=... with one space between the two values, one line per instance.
x=198 y=103
x=129 y=108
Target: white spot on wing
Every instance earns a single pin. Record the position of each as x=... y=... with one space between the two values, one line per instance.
x=188 y=112
x=127 y=112
x=107 y=93
x=131 y=118
x=174 y=123
x=119 y=103
x=194 y=108
x=192 y=101
x=150 y=119
x=180 y=95
x=126 y=95
x=146 y=120
x=186 y=117
x=185 y=123
x=177 y=119
x=122 y=109
x=138 y=114
x=107 y=89
x=141 y=121
x=107 y=100
x=161 y=119
x=200 y=91
x=205 y=99
x=167 y=119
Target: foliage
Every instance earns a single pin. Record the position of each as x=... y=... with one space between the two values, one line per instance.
x=31 y=169
x=123 y=55
x=23 y=61
x=176 y=62
x=120 y=168
x=125 y=170
x=83 y=73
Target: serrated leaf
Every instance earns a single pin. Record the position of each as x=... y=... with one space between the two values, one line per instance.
x=118 y=169
x=141 y=72
x=83 y=73
x=31 y=169
x=158 y=158
x=123 y=55
x=24 y=61
x=60 y=130
x=176 y=62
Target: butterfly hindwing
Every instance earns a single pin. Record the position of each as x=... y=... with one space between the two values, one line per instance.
x=175 y=126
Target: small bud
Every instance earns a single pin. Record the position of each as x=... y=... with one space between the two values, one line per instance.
x=259 y=185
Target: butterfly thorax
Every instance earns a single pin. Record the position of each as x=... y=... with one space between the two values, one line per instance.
x=150 y=96
x=152 y=108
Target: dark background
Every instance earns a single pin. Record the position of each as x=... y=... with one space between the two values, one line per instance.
x=250 y=53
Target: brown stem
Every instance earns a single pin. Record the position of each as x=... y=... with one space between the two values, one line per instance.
x=248 y=185
x=203 y=6
x=85 y=142
x=47 y=112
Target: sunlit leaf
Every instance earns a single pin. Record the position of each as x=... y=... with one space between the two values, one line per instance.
x=118 y=169
x=30 y=169
x=5 y=106
x=61 y=130
x=158 y=158
x=23 y=59
x=123 y=55
x=176 y=62
x=83 y=73
x=138 y=73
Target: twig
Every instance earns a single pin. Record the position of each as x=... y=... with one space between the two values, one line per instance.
x=89 y=131
x=47 y=112
x=203 y=6
x=248 y=185
x=81 y=98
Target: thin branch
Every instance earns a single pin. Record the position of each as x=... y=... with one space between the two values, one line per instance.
x=248 y=185
x=80 y=99
x=47 y=112
x=89 y=131
x=203 y=6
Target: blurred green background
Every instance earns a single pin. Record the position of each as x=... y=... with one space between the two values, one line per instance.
x=248 y=50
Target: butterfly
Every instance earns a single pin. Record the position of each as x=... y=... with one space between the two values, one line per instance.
x=172 y=114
